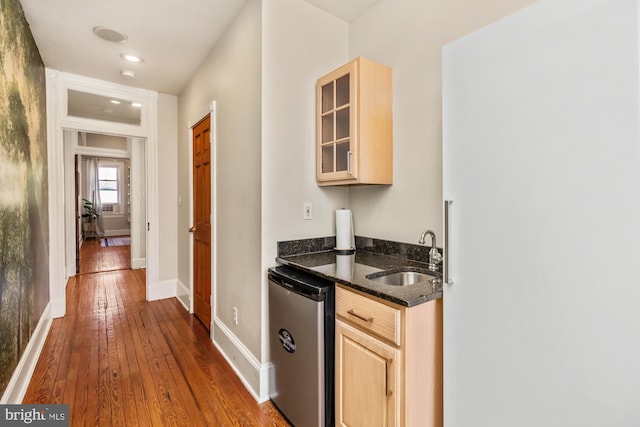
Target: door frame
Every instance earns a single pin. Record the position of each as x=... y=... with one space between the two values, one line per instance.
x=57 y=85
x=211 y=111
x=137 y=206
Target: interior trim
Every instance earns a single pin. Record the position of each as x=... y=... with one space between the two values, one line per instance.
x=17 y=387
x=253 y=374
x=58 y=84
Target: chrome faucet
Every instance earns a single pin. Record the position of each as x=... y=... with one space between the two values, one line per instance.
x=435 y=258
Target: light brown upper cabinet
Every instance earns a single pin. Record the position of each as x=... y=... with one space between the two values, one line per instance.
x=354 y=127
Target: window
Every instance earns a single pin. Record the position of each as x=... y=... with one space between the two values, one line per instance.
x=109 y=185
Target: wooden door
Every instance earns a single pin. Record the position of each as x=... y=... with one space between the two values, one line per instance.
x=201 y=228
x=368 y=392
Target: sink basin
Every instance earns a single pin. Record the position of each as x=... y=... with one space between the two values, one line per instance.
x=401 y=278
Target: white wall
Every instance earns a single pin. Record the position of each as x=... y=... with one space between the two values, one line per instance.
x=300 y=44
x=262 y=76
x=238 y=223
x=138 y=200
x=231 y=76
x=113 y=142
x=408 y=35
x=168 y=186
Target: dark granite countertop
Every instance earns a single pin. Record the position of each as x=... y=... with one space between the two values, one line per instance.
x=351 y=270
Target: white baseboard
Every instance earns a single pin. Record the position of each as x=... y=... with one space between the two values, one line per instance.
x=71 y=270
x=121 y=232
x=182 y=293
x=58 y=308
x=137 y=263
x=17 y=387
x=162 y=290
x=253 y=374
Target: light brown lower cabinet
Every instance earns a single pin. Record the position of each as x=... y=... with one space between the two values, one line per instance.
x=388 y=362
x=368 y=373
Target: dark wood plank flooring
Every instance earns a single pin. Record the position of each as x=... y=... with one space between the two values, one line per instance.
x=118 y=360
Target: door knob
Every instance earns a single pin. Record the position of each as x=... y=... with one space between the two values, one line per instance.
x=192 y=229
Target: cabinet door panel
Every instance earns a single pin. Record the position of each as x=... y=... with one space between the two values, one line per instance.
x=343 y=123
x=327 y=159
x=343 y=92
x=327 y=128
x=367 y=380
x=327 y=97
x=342 y=156
x=354 y=104
x=335 y=125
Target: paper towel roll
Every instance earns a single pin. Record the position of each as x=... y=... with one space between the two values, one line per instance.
x=344 y=231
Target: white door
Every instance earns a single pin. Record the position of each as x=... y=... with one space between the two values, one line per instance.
x=541 y=153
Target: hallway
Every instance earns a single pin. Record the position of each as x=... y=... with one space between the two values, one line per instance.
x=119 y=360
x=96 y=258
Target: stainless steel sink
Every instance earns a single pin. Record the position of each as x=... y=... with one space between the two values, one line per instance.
x=402 y=278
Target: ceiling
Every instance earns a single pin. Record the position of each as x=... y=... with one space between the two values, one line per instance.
x=172 y=36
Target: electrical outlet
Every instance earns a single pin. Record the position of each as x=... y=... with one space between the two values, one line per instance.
x=235 y=316
x=308 y=214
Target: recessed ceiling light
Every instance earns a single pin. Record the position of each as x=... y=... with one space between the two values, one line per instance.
x=136 y=104
x=131 y=58
x=128 y=74
x=115 y=101
x=109 y=35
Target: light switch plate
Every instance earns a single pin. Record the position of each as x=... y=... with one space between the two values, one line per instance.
x=308 y=213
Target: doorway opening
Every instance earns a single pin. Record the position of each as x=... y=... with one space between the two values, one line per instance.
x=63 y=104
x=105 y=202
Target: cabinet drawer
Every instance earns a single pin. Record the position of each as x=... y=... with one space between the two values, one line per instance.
x=369 y=314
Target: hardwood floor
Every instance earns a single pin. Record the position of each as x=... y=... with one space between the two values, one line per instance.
x=95 y=258
x=118 y=360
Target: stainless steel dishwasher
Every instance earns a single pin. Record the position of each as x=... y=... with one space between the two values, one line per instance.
x=301 y=338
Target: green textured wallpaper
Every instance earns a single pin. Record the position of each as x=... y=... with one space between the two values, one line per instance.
x=24 y=229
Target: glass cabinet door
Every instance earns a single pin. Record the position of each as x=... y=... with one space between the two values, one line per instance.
x=335 y=138
x=354 y=125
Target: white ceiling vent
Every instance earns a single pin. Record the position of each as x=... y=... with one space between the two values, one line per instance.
x=110 y=35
